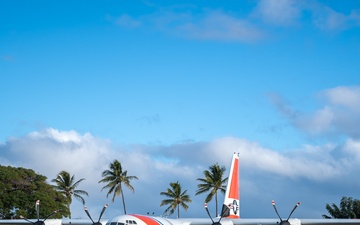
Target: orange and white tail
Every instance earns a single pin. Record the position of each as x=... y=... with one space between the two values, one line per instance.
x=232 y=196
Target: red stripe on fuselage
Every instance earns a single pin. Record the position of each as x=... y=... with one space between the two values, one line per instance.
x=146 y=219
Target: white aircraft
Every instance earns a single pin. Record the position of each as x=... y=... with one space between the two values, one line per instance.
x=230 y=213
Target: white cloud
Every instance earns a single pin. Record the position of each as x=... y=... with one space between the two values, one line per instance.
x=62 y=137
x=329 y=19
x=289 y=12
x=307 y=165
x=344 y=96
x=353 y=148
x=207 y=25
x=191 y=22
x=86 y=156
x=320 y=121
x=326 y=18
x=216 y=25
x=63 y=150
x=278 y=12
x=339 y=115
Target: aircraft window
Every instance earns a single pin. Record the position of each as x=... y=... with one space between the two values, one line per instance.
x=121 y=223
x=113 y=223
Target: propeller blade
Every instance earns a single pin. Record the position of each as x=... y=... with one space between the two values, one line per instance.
x=37 y=206
x=273 y=203
x=207 y=210
x=102 y=211
x=293 y=210
x=87 y=212
x=218 y=222
x=21 y=217
x=56 y=211
x=225 y=211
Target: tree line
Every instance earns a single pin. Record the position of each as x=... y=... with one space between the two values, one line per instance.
x=20 y=188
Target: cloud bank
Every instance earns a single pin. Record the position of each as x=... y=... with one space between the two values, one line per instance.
x=265 y=173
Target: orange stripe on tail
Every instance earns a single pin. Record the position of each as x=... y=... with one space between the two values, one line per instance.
x=232 y=196
x=234 y=186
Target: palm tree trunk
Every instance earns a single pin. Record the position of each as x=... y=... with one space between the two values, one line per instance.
x=68 y=206
x=123 y=201
x=216 y=201
x=178 y=209
x=69 y=199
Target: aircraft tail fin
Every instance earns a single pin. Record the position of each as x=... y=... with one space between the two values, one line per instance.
x=232 y=195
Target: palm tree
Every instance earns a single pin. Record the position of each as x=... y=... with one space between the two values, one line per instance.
x=349 y=209
x=175 y=199
x=115 y=177
x=67 y=185
x=212 y=182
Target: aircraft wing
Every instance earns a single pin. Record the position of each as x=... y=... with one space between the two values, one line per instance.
x=24 y=222
x=51 y=222
x=66 y=221
x=296 y=222
x=14 y=222
x=330 y=221
x=243 y=221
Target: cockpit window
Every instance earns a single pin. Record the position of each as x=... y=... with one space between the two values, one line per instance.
x=131 y=222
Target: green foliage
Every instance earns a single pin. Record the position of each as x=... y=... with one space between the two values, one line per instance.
x=176 y=198
x=212 y=183
x=20 y=188
x=67 y=186
x=115 y=177
x=349 y=209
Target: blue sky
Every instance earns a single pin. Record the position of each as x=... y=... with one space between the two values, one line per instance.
x=160 y=84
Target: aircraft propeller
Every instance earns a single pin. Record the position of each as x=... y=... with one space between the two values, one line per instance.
x=225 y=211
x=284 y=222
x=39 y=222
x=102 y=212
